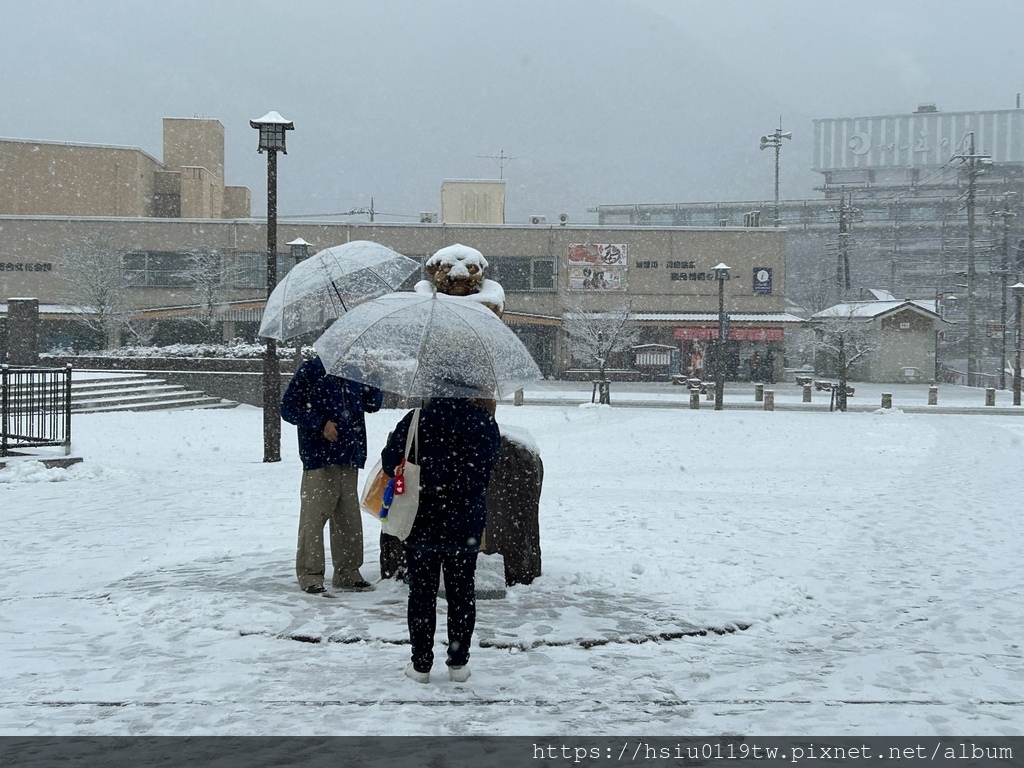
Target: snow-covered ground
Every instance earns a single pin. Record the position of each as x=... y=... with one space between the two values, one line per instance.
x=704 y=572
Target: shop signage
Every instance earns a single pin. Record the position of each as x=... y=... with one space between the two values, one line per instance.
x=735 y=334
x=597 y=266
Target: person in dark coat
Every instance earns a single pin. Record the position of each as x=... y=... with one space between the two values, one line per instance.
x=329 y=413
x=458 y=442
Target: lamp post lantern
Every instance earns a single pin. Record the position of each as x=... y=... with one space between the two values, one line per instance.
x=774 y=140
x=1018 y=294
x=272 y=129
x=721 y=275
x=299 y=249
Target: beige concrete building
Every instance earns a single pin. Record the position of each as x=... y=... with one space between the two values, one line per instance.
x=151 y=227
x=44 y=178
x=666 y=275
x=469 y=201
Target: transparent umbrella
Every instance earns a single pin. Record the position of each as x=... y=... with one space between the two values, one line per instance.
x=427 y=346
x=331 y=282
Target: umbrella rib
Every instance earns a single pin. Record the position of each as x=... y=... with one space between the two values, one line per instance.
x=423 y=336
x=474 y=332
x=330 y=281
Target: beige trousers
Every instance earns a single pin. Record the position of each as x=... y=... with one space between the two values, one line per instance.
x=329 y=496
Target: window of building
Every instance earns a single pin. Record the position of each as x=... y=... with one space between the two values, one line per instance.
x=521 y=274
x=251 y=269
x=161 y=269
x=543 y=275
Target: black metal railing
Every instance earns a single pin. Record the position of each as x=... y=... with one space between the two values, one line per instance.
x=35 y=408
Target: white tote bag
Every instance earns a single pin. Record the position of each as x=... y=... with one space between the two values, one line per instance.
x=402 y=512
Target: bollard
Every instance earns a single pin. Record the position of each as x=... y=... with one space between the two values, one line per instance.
x=769 y=400
x=695 y=400
x=887 y=400
x=990 y=396
x=517 y=398
x=758 y=393
x=710 y=392
x=933 y=395
x=807 y=393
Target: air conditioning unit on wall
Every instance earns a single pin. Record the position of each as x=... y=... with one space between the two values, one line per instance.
x=538 y=219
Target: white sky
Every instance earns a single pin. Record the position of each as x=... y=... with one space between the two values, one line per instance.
x=879 y=586
x=598 y=101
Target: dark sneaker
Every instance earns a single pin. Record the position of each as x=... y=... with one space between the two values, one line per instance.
x=315 y=589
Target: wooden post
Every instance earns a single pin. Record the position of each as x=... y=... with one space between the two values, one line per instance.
x=769 y=400
x=990 y=396
x=694 y=399
x=807 y=393
x=933 y=395
x=887 y=400
x=758 y=393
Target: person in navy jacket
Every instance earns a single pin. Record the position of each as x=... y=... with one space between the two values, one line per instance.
x=458 y=443
x=329 y=414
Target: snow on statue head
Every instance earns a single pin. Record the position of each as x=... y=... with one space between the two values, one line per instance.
x=458 y=270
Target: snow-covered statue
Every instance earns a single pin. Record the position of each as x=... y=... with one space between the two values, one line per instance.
x=513 y=496
x=458 y=270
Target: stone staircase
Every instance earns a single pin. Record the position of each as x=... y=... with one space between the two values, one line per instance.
x=136 y=392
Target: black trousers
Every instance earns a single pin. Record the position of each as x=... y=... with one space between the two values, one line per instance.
x=423 y=575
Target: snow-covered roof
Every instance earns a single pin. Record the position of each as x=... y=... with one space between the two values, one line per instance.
x=869 y=310
x=881 y=295
x=706 y=317
x=54 y=309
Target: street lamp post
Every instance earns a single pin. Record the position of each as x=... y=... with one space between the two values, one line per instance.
x=721 y=275
x=775 y=140
x=272 y=129
x=1018 y=294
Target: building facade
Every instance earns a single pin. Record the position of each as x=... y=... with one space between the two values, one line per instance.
x=168 y=251
x=665 y=275
x=46 y=178
x=895 y=213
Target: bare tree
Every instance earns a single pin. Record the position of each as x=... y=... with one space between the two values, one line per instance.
x=208 y=282
x=95 y=285
x=595 y=336
x=818 y=290
x=841 y=342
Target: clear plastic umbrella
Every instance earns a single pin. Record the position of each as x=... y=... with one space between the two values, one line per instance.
x=326 y=285
x=427 y=346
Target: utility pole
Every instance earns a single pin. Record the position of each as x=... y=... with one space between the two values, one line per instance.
x=971 y=158
x=501 y=157
x=1004 y=273
x=843 y=264
x=775 y=140
x=894 y=261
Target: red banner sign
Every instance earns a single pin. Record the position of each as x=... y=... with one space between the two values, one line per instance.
x=735 y=334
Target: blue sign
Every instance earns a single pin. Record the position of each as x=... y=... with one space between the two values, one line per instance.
x=762 y=281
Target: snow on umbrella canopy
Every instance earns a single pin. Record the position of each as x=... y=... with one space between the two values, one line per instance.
x=331 y=282
x=427 y=346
